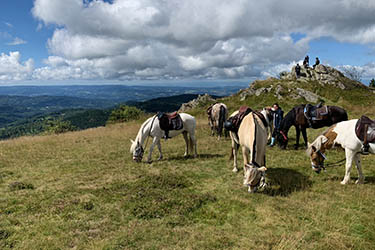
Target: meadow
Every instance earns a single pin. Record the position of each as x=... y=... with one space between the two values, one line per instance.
x=81 y=190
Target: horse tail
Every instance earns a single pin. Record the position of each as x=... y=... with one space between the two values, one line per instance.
x=221 y=120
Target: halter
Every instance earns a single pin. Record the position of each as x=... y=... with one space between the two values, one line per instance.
x=319 y=167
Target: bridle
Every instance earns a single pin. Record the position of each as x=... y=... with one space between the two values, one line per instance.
x=320 y=166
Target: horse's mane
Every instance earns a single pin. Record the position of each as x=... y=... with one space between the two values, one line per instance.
x=319 y=141
x=288 y=120
x=139 y=135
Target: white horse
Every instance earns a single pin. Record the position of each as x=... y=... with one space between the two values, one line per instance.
x=236 y=141
x=341 y=134
x=152 y=128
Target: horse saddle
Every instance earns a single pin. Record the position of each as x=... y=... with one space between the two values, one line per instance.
x=365 y=129
x=315 y=113
x=234 y=122
x=170 y=121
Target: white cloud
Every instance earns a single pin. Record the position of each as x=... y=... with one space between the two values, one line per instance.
x=12 y=69
x=148 y=39
x=17 y=41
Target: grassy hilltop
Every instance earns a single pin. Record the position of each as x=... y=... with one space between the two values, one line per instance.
x=82 y=190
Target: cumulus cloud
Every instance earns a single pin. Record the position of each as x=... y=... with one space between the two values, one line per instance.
x=148 y=39
x=13 y=69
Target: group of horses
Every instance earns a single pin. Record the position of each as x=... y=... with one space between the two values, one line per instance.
x=253 y=134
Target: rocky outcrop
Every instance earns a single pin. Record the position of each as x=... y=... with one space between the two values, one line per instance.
x=201 y=100
x=321 y=73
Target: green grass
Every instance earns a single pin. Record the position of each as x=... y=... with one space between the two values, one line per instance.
x=82 y=190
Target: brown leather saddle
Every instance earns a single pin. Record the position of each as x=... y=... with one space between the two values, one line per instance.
x=365 y=129
x=170 y=121
x=234 y=122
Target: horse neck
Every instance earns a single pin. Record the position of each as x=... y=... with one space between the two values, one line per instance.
x=144 y=131
x=287 y=122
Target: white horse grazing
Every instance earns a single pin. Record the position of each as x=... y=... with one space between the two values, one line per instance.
x=341 y=134
x=152 y=128
x=252 y=136
x=236 y=141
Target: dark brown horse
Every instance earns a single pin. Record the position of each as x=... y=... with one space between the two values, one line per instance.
x=296 y=117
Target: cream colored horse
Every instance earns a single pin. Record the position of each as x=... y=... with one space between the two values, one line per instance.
x=236 y=142
x=252 y=136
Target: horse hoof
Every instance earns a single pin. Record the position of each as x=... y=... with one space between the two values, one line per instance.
x=343 y=182
x=235 y=170
x=360 y=181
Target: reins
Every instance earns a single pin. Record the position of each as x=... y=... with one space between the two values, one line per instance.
x=335 y=164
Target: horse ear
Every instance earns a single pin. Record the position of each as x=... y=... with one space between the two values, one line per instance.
x=247 y=166
x=131 y=141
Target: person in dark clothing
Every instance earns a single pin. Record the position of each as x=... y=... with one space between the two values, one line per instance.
x=278 y=115
x=298 y=70
x=317 y=62
x=306 y=61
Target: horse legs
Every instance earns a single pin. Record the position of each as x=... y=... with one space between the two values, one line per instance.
x=154 y=141
x=234 y=152
x=349 y=154
x=160 y=153
x=298 y=131
x=186 y=143
x=304 y=134
x=193 y=143
x=361 y=178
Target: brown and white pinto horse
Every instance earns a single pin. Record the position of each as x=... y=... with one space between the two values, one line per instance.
x=217 y=115
x=341 y=134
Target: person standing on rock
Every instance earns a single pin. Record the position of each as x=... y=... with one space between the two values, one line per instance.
x=317 y=62
x=306 y=61
x=298 y=70
x=278 y=114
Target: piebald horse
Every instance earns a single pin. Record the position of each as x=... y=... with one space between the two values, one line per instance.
x=341 y=134
x=252 y=136
x=217 y=115
x=151 y=128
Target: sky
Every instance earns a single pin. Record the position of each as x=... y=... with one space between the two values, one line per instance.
x=130 y=41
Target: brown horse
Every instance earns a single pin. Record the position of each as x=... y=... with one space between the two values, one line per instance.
x=296 y=117
x=217 y=115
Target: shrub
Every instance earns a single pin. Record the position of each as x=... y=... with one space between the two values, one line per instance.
x=58 y=126
x=124 y=114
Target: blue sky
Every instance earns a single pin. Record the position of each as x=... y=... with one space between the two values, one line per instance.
x=125 y=41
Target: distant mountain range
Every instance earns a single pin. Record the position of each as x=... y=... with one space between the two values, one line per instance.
x=18 y=103
x=115 y=93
